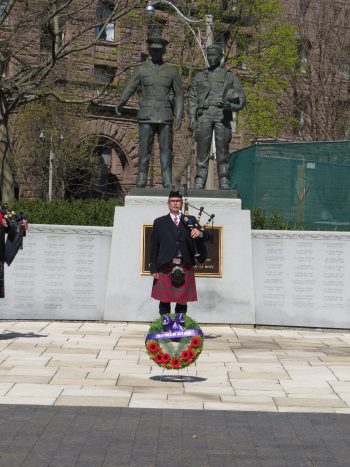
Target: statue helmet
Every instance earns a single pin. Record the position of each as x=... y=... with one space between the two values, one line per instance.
x=216 y=48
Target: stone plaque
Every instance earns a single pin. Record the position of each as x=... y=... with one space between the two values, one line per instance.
x=212 y=267
x=58 y=275
x=302 y=279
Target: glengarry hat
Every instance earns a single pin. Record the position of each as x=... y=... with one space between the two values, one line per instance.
x=175 y=194
x=157 y=43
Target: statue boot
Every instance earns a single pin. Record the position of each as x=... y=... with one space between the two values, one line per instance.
x=223 y=173
x=224 y=183
x=201 y=177
x=167 y=177
x=141 y=180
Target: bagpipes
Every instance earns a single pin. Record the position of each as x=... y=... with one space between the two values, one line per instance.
x=192 y=222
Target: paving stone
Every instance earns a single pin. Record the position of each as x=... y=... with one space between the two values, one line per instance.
x=255 y=384
x=97 y=391
x=308 y=402
x=5 y=387
x=167 y=404
x=88 y=363
x=238 y=406
x=200 y=396
x=267 y=374
x=25 y=379
x=32 y=371
x=24 y=400
x=93 y=401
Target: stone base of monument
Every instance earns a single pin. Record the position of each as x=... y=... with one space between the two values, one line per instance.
x=225 y=286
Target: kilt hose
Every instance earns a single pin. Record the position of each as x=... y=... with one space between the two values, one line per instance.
x=164 y=291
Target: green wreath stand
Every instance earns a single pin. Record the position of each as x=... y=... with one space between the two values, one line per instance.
x=174 y=341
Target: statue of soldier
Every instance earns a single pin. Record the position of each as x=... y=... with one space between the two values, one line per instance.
x=161 y=101
x=213 y=94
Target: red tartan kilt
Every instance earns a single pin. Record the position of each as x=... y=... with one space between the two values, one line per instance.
x=164 y=290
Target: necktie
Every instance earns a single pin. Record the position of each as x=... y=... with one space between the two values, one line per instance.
x=176 y=220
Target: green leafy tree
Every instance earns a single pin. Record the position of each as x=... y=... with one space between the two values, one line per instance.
x=48 y=129
x=262 y=48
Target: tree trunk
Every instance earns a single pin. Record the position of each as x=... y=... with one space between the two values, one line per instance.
x=6 y=177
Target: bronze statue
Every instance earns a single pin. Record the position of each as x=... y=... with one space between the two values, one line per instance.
x=161 y=101
x=214 y=93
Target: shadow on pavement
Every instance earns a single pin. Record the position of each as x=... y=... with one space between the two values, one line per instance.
x=14 y=335
x=211 y=336
x=178 y=378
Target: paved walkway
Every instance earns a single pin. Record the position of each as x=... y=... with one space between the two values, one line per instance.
x=241 y=368
x=86 y=394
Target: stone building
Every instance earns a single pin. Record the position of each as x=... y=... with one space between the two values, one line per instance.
x=120 y=46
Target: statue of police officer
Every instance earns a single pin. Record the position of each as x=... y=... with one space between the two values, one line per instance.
x=213 y=94
x=161 y=102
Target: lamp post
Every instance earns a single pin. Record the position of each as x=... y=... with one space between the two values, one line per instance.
x=51 y=159
x=150 y=10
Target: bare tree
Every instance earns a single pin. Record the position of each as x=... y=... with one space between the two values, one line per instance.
x=37 y=39
x=321 y=93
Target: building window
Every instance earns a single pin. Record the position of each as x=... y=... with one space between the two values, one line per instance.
x=304 y=53
x=104 y=74
x=3 y=5
x=45 y=37
x=5 y=69
x=104 y=31
x=344 y=72
x=47 y=33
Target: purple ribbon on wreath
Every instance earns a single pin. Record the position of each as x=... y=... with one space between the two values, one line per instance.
x=173 y=325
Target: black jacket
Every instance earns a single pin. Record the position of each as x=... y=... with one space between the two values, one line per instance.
x=167 y=240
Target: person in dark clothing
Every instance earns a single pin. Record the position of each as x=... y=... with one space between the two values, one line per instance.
x=172 y=257
x=2 y=253
x=15 y=231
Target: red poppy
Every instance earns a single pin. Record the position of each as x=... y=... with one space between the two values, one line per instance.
x=159 y=358
x=185 y=355
x=153 y=347
x=196 y=342
x=190 y=355
x=175 y=363
x=166 y=357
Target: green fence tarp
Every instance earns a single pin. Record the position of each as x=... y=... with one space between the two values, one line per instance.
x=307 y=183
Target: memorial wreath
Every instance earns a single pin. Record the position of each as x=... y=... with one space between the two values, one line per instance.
x=174 y=341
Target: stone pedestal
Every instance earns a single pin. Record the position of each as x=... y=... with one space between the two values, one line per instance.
x=226 y=299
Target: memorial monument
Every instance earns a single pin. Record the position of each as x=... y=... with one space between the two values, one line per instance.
x=215 y=93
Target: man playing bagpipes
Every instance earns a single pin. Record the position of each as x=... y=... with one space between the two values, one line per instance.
x=175 y=243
